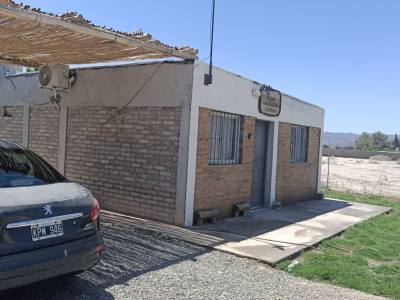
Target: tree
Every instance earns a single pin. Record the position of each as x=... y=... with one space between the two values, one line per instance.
x=379 y=141
x=374 y=142
x=364 y=142
x=396 y=143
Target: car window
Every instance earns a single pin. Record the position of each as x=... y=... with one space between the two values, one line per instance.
x=20 y=167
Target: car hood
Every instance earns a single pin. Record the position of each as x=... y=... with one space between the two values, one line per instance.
x=41 y=194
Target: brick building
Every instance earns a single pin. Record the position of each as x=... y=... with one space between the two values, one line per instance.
x=176 y=147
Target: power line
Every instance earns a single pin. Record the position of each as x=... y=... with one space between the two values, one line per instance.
x=19 y=94
x=134 y=95
x=203 y=59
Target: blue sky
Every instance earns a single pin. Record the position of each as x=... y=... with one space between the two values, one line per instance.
x=343 y=55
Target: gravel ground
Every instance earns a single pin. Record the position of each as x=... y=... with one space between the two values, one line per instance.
x=141 y=264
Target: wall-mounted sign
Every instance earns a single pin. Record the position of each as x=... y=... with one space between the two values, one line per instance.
x=270 y=101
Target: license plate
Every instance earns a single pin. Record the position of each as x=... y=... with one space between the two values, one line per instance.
x=49 y=230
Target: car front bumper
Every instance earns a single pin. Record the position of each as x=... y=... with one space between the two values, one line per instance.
x=37 y=265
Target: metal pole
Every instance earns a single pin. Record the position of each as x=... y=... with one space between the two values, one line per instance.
x=329 y=160
x=208 y=77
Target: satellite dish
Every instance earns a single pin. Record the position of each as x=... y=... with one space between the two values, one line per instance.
x=45 y=75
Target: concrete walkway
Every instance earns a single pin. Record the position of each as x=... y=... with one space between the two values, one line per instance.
x=271 y=235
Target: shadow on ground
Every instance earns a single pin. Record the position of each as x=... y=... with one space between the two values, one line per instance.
x=266 y=220
x=130 y=252
x=271 y=235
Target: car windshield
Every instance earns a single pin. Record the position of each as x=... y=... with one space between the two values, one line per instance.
x=20 y=167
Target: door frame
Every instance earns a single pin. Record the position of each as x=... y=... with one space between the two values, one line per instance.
x=268 y=163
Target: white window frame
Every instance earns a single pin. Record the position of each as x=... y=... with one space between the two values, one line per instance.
x=224 y=143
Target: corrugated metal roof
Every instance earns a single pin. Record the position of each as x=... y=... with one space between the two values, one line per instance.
x=30 y=37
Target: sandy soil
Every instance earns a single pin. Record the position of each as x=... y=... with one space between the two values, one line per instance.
x=362 y=176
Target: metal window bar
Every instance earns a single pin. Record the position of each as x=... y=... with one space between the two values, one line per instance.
x=224 y=139
x=298 y=143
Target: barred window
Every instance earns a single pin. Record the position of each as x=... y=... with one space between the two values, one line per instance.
x=224 y=139
x=298 y=143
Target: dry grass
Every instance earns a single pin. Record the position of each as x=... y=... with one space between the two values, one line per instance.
x=379 y=158
x=363 y=176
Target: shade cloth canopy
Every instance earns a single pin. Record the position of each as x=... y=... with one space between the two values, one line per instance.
x=30 y=37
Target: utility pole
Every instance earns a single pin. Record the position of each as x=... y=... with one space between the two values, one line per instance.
x=208 y=77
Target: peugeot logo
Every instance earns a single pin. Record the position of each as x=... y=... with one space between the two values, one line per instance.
x=47 y=210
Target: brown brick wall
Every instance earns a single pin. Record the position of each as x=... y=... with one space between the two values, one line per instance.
x=130 y=164
x=297 y=181
x=44 y=129
x=220 y=186
x=11 y=126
